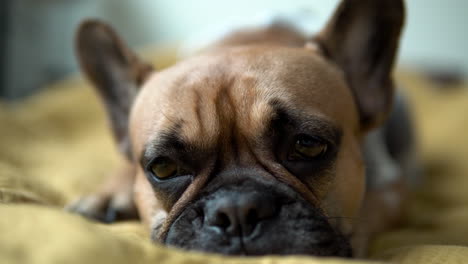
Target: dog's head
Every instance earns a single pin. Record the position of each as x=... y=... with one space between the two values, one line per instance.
x=252 y=149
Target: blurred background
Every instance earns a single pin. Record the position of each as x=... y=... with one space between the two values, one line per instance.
x=36 y=36
x=56 y=146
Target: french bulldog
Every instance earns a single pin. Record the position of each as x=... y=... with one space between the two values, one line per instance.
x=256 y=144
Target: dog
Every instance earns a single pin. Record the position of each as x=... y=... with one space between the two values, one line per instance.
x=256 y=145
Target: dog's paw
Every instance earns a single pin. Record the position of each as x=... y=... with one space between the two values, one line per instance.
x=106 y=208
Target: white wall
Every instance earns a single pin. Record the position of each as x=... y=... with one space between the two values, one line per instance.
x=436 y=31
x=40 y=44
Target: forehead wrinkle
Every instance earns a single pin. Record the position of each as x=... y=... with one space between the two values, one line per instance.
x=230 y=107
x=252 y=102
x=211 y=105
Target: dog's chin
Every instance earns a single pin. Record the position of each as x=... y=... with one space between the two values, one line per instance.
x=297 y=228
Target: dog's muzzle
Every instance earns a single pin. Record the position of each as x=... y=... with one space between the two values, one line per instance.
x=254 y=218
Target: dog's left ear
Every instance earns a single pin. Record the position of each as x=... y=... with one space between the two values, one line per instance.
x=115 y=71
x=362 y=39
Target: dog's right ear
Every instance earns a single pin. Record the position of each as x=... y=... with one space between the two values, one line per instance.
x=115 y=72
x=362 y=38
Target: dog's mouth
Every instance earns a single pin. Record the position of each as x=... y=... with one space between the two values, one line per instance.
x=253 y=220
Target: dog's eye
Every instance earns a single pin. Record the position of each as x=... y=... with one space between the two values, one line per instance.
x=164 y=168
x=307 y=147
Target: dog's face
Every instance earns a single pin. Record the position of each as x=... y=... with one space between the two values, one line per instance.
x=255 y=149
x=250 y=149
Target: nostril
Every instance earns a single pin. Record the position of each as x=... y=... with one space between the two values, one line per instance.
x=250 y=221
x=222 y=220
x=252 y=217
x=239 y=213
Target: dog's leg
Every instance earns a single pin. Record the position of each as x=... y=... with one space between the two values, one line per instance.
x=381 y=211
x=385 y=191
x=392 y=168
x=116 y=73
x=113 y=201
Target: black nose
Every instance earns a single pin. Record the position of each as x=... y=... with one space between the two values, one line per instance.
x=238 y=214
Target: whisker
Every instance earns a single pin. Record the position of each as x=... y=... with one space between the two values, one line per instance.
x=346 y=217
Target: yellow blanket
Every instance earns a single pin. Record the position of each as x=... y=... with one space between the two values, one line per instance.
x=56 y=146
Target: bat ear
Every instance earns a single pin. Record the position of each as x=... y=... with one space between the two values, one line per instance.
x=114 y=70
x=362 y=38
